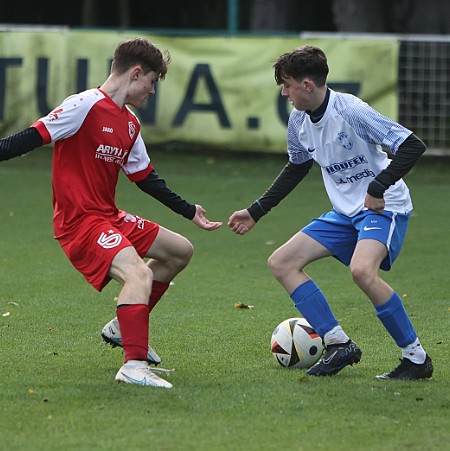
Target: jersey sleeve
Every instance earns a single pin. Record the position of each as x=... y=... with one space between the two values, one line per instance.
x=297 y=153
x=138 y=165
x=291 y=175
x=66 y=119
x=19 y=143
x=371 y=125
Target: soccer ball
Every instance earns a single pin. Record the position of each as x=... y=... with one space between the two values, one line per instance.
x=295 y=344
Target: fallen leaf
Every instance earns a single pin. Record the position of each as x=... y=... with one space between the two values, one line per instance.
x=241 y=305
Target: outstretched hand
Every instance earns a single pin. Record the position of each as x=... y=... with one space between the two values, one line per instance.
x=241 y=222
x=200 y=220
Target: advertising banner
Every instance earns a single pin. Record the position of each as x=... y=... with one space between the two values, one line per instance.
x=219 y=92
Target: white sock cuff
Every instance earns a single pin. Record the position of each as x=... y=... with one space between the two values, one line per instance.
x=335 y=336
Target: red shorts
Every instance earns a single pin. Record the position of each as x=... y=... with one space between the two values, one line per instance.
x=92 y=247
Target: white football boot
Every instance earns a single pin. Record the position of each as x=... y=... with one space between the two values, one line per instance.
x=139 y=373
x=111 y=334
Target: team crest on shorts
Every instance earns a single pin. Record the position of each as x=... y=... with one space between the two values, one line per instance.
x=345 y=141
x=109 y=240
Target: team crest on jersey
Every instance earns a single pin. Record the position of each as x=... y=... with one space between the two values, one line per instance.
x=54 y=114
x=131 y=129
x=345 y=141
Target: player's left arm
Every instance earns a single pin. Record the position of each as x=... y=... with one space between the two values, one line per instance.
x=402 y=162
x=156 y=187
x=289 y=177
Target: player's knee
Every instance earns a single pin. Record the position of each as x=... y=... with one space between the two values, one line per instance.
x=362 y=275
x=276 y=265
x=144 y=275
x=140 y=277
x=186 y=251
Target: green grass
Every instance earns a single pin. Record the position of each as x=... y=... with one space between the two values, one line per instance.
x=57 y=389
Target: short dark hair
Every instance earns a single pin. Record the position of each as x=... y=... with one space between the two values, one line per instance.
x=140 y=51
x=307 y=61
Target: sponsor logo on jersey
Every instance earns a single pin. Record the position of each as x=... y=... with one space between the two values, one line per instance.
x=347 y=164
x=111 y=154
x=109 y=240
x=345 y=141
x=356 y=177
x=108 y=130
x=131 y=129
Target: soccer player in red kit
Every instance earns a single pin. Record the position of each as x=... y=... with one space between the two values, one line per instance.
x=95 y=136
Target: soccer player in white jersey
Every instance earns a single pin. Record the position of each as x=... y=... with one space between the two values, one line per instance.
x=96 y=136
x=371 y=206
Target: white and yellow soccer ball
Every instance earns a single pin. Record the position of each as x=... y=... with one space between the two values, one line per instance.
x=295 y=344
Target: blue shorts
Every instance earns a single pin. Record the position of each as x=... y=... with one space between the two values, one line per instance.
x=340 y=233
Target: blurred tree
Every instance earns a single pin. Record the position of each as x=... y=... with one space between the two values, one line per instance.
x=359 y=15
x=290 y=15
x=386 y=16
x=420 y=16
x=92 y=12
x=124 y=13
x=88 y=13
x=270 y=15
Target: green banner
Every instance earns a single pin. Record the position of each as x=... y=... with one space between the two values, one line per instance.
x=219 y=92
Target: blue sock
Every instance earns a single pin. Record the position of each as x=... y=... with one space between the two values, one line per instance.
x=396 y=321
x=312 y=304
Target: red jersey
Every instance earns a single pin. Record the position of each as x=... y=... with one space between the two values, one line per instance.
x=94 y=139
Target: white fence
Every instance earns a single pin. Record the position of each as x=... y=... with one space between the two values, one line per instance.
x=424 y=90
x=423 y=85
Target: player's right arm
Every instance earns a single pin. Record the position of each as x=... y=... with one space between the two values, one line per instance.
x=243 y=220
x=20 y=143
x=62 y=122
x=291 y=175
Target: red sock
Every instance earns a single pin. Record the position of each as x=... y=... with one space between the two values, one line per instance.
x=158 y=289
x=133 y=323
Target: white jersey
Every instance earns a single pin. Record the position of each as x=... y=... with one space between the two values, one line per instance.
x=347 y=144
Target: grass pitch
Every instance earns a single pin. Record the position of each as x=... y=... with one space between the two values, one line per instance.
x=57 y=389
